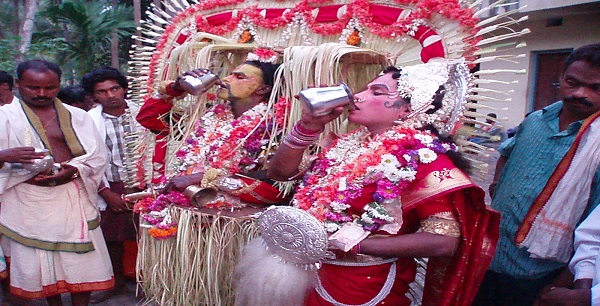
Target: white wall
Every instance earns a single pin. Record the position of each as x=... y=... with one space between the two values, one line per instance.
x=534 y=5
x=576 y=31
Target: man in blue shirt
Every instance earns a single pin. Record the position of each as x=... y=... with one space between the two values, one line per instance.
x=528 y=160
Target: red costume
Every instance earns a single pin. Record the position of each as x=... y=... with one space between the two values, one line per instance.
x=439 y=187
x=152 y=115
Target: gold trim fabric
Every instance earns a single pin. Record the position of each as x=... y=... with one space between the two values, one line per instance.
x=82 y=247
x=64 y=120
x=441 y=224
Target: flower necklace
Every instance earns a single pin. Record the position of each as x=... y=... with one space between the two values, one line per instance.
x=389 y=162
x=220 y=141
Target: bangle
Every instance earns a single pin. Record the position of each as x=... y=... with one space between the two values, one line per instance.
x=300 y=137
x=303 y=130
x=102 y=189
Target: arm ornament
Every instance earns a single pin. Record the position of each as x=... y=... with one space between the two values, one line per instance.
x=441 y=224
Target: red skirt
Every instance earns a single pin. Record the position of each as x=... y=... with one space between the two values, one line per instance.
x=386 y=284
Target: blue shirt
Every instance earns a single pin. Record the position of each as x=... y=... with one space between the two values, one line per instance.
x=533 y=155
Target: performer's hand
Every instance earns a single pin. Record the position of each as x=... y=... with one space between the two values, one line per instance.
x=195 y=73
x=179 y=183
x=20 y=155
x=317 y=123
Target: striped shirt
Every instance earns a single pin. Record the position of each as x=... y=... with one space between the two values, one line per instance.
x=115 y=141
x=533 y=155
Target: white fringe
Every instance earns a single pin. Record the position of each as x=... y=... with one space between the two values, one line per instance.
x=261 y=279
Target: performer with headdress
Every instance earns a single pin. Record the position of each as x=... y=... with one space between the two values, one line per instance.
x=389 y=192
x=226 y=150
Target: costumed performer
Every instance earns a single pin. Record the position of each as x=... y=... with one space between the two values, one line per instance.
x=227 y=148
x=396 y=181
x=49 y=220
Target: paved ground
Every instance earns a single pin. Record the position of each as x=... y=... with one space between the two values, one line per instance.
x=128 y=299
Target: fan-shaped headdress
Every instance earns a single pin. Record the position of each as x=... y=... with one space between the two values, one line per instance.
x=321 y=41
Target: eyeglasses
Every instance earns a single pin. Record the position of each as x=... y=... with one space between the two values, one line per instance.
x=104 y=92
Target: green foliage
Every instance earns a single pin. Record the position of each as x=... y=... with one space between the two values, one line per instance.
x=8 y=51
x=78 y=33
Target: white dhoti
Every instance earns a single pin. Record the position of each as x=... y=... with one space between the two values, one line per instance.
x=53 y=241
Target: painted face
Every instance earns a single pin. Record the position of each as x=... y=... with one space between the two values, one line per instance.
x=38 y=88
x=580 y=89
x=109 y=94
x=241 y=84
x=380 y=105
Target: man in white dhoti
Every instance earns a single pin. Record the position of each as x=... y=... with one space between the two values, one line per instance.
x=49 y=220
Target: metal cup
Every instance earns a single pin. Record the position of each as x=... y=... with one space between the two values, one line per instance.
x=197 y=85
x=199 y=196
x=322 y=100
x=42 y=164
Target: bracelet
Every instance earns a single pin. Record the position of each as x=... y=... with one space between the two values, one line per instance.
x=303 y=130
x=102 y=189
x=300 y=137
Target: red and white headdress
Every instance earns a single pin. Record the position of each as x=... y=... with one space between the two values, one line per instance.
x=264 y=55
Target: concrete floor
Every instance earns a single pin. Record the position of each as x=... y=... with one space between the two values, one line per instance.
x=128 y=299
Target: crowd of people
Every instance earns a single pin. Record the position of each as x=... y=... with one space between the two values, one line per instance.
x=398 y=180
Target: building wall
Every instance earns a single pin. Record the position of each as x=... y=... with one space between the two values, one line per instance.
x=576 y=31
x=534 y=5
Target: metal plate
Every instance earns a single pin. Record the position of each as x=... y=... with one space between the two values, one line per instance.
x=293 y=234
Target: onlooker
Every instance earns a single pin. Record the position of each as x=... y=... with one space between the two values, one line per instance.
x=74 y=95
x=49 y=220
x=543 y=189
x=114 y=118
x=6 y=87
x=490 y=133
x=584 y=265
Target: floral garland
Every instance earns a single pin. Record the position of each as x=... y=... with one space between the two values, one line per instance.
x=154 y=214
x=263 y=55
x=341 y=172
x=220 y=141
x=422 y=10
x=329 y=28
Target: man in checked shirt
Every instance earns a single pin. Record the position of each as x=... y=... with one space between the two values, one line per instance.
x=114 y=118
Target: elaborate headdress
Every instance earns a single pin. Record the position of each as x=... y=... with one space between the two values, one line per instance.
x=421 y=83
x=263 y=55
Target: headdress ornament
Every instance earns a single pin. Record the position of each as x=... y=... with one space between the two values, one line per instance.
x=420 y=83
x=263 y=55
